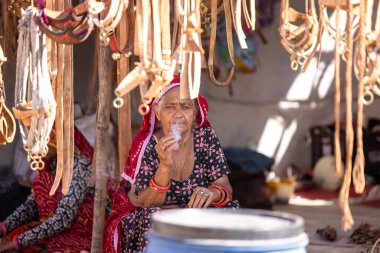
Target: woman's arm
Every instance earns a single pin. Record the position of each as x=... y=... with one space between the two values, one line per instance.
x=216 y=172
x=26 y=212
x=67 y=207
x=223 y=181
x=149 y=196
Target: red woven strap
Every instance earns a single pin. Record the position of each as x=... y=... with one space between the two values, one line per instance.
x=113 y=43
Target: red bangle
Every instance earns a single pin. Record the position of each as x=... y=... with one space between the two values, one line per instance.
x=16 y=244
x=228 y=194
x=222 y=193
x=225 y=198
x=158 y=188
x=3 y=229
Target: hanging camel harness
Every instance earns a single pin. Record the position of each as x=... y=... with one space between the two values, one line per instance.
x=35 y=105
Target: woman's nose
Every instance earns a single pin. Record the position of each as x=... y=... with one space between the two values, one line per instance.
x=178 y=113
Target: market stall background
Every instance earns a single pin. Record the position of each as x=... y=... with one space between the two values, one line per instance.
x=271 y=110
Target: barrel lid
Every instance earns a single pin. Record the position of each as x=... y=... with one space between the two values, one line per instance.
x=228 y=224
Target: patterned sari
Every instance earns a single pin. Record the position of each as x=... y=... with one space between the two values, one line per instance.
x=65 y=221
x=127 y=225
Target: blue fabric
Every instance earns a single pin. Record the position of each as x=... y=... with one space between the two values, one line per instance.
x=248 y=160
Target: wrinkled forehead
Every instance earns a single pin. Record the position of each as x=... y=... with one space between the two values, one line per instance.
x=173 y=97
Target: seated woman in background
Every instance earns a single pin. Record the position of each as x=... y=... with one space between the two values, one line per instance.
x=175 y=161
x=65 y=220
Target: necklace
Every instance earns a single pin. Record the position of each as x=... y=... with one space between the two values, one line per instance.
x=180 y=167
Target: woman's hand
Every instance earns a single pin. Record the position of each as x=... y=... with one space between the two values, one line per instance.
x=164 y=149
x=203 y=197
x=6 y=245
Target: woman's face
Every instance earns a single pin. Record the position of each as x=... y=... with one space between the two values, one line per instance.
x=170 y=111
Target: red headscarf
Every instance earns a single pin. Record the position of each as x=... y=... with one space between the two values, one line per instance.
x=121 y=203
x=140 y=142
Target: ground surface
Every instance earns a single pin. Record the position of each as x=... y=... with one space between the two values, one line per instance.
x=319 y=216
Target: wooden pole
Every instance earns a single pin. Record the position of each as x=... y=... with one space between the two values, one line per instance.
x=102 y=123
x=124 y=113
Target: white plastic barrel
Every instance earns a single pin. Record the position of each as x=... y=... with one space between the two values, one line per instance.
x=226 y=230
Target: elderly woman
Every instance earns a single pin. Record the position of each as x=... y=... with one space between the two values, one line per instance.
x=175 y=161
x=65 y=220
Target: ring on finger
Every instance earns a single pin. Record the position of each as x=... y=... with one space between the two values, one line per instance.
x=200 y=193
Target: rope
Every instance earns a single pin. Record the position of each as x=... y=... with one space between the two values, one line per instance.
x=337 y=148
x=300 y=40
x=358 y=170
x=347 y=220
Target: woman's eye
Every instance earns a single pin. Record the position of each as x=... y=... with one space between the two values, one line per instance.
x=185 y=106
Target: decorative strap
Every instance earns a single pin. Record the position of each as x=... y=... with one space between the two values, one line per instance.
x=7 y=121
x=7 y=124
x=214 y=14
x=71 y=26
x=64 y=121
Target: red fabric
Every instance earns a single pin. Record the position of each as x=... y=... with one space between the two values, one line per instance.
x=38 y=247
x=78 y=236
x=121 y=203
x=85 y=149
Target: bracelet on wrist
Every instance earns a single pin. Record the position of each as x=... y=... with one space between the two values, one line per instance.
x=159 y=188
x=221 y=192
x=225 y=196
